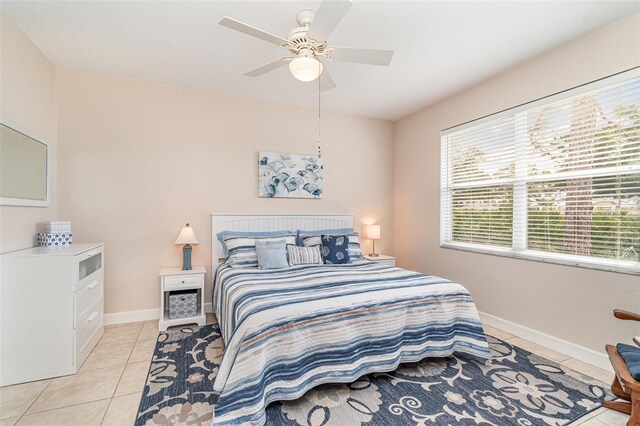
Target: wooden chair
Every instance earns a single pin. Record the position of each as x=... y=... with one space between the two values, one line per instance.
x=624 y=386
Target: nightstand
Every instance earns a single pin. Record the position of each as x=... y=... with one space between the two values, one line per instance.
x=173 y=280
x=382 y=258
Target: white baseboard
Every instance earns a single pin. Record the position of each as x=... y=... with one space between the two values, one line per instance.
x=141 y=315
x=565 y=347
x=131 y=316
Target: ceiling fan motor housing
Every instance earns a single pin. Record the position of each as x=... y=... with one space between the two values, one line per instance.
x=299 y=44
x=298 y=35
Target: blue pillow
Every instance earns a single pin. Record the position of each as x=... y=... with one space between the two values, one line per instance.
x=335 y=249
x=631 y=356
x=251 y=234
x=336 y=231
x=272 y=254
x=354 y=243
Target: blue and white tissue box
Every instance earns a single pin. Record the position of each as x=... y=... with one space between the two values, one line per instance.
x=57 y=239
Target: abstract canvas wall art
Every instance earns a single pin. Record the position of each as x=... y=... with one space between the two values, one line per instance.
x=283 y=175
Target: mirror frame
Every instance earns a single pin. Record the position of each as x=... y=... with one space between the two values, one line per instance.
x=23 y=202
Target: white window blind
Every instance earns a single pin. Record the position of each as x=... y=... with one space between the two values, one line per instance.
x=557 y=179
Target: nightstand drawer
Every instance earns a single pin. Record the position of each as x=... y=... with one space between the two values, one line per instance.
x=178 y=281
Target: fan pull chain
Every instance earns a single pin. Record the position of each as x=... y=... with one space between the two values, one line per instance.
x=319 y=88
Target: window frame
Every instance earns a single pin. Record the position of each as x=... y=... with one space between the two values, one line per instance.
x=520 y=181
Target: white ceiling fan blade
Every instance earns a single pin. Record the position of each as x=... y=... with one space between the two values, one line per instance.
x=362 y=56
x=327 y=18
x=325 y=81
x=252 y=31
x=269 y=67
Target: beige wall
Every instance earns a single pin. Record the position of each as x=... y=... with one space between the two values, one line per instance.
x=567 y=302
x=28 y=101
x=138 y=160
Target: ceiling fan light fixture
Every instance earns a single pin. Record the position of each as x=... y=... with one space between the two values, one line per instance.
x=305 y=68
x=307 y=44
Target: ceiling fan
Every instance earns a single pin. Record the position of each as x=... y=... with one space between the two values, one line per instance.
x=307 y=43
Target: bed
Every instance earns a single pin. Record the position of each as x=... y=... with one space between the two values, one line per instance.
x=289 y=330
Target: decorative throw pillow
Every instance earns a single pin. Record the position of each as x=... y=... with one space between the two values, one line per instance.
x=222 y=236
x=333 y=231
x=242 y=250
x=335 y=249
x=304 y=255
x=272 y=254
x=354 y=243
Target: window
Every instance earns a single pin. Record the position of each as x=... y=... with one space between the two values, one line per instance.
x=557 y=179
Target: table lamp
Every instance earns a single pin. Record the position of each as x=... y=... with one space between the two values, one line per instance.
x=373 y=233
x=186 y=237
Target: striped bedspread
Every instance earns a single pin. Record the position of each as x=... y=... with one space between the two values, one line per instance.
x=289 y=330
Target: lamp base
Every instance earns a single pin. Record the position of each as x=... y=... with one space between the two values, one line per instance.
x=186 y=257
x=374 y=254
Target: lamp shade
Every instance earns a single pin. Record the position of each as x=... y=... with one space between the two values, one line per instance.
x=187 y=236
x=305 y=68
x=373 y=232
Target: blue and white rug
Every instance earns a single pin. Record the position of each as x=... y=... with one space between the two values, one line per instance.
x=518 y=388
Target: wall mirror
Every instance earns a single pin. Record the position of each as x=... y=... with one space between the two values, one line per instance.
x=24 y=168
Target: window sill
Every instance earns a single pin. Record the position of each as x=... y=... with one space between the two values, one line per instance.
x=623 y=267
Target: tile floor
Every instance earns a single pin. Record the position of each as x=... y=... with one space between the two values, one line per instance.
x=107 y=389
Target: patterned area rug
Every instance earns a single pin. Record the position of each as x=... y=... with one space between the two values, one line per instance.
x=518 y=388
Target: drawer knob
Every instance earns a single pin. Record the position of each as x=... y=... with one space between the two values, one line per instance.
x=92 y=317
x=93 y=284
x=182 y=281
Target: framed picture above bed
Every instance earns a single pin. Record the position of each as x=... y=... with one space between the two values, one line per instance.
x=282 y=175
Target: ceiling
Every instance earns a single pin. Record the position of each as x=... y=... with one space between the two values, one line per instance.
x=441 y=47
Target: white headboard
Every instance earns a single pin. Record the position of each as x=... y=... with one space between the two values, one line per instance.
x=270 y=222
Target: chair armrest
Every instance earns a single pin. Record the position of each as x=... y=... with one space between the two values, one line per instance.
x=626 y=315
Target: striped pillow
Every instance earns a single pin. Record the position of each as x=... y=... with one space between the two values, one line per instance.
x=304 y=255
x=242 y=250
x=354 y=243
x=333 y=231
x=222 y=236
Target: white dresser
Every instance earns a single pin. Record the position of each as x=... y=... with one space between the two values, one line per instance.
x=51 y=310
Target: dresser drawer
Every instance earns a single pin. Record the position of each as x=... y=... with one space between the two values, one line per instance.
x=85 y=298
x=88 y=325
x=89 y=267
x=178 y=281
